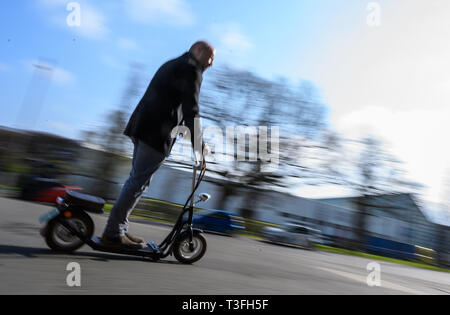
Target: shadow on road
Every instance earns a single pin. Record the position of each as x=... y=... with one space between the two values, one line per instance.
x=33 y=252
x=29 y=252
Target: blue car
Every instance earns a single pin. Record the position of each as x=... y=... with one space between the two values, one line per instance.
x=218 y=221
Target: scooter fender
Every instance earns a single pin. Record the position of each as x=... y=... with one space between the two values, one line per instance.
x=197 y=230
x=62 y=220
x=45 y=226
x=194 y=230
x=44 y=229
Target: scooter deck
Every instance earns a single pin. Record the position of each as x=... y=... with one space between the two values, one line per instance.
x=149 y=251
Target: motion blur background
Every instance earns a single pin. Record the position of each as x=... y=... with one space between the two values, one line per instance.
x=358 y=89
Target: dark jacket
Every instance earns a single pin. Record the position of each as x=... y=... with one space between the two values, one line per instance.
x=171 y=99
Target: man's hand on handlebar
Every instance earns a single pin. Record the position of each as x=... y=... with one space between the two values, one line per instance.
x=206 y=150
x=205 y=153
x=200 y=157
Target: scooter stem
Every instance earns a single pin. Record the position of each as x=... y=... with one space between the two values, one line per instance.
x=194 y=176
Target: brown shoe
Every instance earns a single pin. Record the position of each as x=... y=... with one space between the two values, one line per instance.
x=121 y=241
x=135 y=239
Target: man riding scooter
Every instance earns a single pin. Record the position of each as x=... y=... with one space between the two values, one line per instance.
x=171 y=99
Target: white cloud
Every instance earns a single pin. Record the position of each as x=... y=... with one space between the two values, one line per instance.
x=231 y=39
x=112 y=62
x=92 y=21
x=233 y=46
x=63 y=77
x=392 y=81
x=127 y=44
x=418 y=137
x=174 y=12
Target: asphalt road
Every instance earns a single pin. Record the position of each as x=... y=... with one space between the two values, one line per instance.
x=231 y=266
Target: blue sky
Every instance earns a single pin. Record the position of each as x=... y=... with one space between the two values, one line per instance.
x=384 y=80
x=92 y=60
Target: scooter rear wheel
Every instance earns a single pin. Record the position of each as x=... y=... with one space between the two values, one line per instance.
x=183 y=252
x=60 y=239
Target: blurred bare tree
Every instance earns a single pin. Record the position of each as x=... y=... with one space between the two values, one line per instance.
x=109 y=137
x=241 y=98
x=443 y=256
x=371 y=172
x=446 y=195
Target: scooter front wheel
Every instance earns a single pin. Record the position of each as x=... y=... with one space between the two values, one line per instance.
x=186 y=254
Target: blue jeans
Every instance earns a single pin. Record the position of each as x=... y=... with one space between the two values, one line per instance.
x=146 y=162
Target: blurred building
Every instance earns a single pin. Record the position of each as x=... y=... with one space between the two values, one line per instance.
x=396 y=221
x=396 y=217
x=29 y=152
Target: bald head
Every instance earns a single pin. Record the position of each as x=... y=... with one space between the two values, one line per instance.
x=204 y=53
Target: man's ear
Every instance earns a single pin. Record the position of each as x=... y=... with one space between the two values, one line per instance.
x=200 y=54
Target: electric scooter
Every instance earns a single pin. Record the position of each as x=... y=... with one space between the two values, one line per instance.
x=69 y=226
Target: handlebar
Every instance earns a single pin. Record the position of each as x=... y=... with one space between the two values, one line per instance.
x=199 y=165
